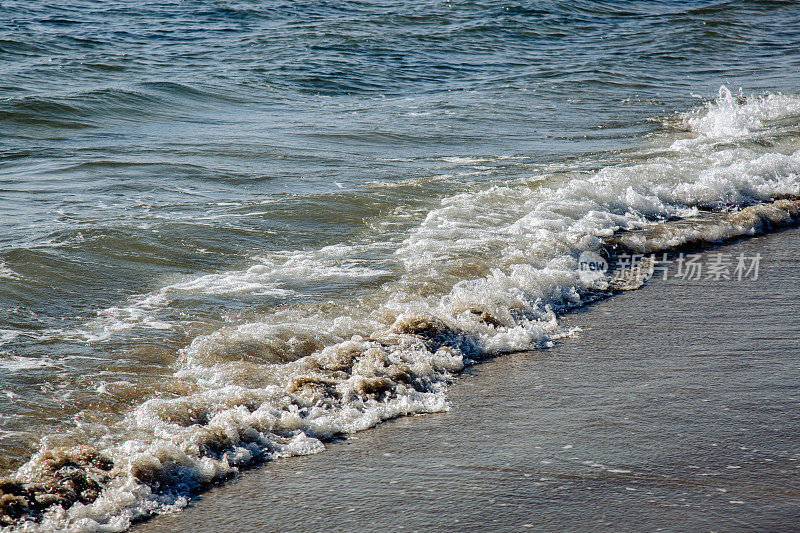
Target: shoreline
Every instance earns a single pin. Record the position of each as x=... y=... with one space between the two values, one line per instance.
x=668 y=411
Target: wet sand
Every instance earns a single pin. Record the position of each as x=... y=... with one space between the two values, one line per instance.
x=676 y=408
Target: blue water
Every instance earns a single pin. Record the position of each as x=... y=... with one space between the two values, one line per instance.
x=149 y=144
x=116 y=114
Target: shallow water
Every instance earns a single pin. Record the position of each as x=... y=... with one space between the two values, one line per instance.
x=230 y=232
x=673 y=409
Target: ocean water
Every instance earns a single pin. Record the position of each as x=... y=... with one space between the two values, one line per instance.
x=234 y=230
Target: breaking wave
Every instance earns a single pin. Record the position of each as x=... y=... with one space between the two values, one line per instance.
x=485 y=273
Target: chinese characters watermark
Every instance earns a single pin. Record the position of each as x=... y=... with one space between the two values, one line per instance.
x=691 y=267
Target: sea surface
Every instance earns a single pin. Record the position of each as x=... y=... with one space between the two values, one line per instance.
x=231 y=231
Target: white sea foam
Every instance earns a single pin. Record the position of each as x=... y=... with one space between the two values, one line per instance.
x=275 y=276
x=465 y=160
x=15 y=363
x=484 y=273
x=7 y=273
x=731 y=118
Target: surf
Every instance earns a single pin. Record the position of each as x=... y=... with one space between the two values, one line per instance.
x=484 y=273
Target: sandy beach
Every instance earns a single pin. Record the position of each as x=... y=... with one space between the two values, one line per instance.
x=674 y=409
